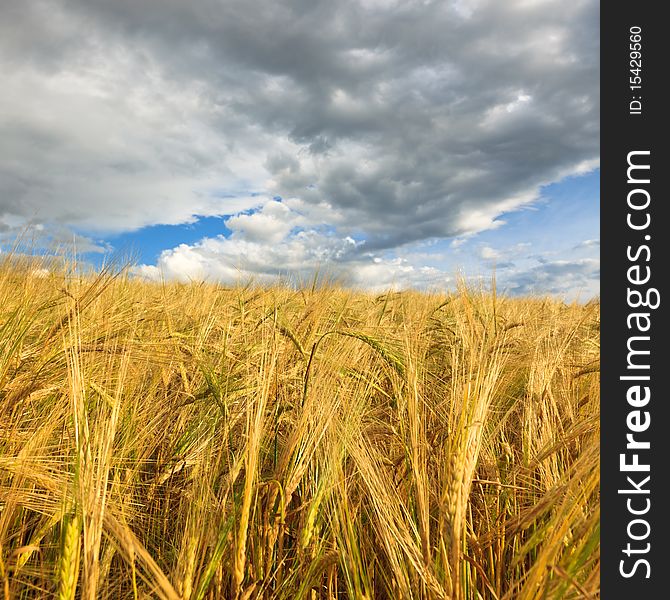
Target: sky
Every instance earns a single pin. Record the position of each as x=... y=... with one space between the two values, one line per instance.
x=386 y=143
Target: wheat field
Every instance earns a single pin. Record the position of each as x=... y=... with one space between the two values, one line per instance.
x=195 y=441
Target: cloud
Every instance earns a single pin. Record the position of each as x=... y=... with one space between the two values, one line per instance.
x=269 y=225
x=588 y=244
x=271 y=243
x=488 y=253
x=296 y=257
x=567 y=278
x=403 y=121
x=56 y=239
x=499 y=259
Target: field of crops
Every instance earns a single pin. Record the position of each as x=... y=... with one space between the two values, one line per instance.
x=199 y=441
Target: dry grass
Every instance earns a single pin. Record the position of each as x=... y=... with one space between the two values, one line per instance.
x=194 y=441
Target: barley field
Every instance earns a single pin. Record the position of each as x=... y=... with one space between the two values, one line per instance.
x=196 y=441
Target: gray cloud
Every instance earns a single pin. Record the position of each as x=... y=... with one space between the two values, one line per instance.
x=407 y=120
x=561 y=277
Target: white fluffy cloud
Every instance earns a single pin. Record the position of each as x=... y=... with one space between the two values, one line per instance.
x=271 y=243
x=269 y=225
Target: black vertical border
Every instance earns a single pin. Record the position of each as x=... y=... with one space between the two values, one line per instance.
x=621 y=133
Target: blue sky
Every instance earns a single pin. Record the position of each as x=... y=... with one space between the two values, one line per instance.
x=389 y=143
x=147 y=244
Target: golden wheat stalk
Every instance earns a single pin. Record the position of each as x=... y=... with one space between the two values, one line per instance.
x=68 y=571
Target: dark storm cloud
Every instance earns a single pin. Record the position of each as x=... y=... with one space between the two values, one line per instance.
x=411 y=120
